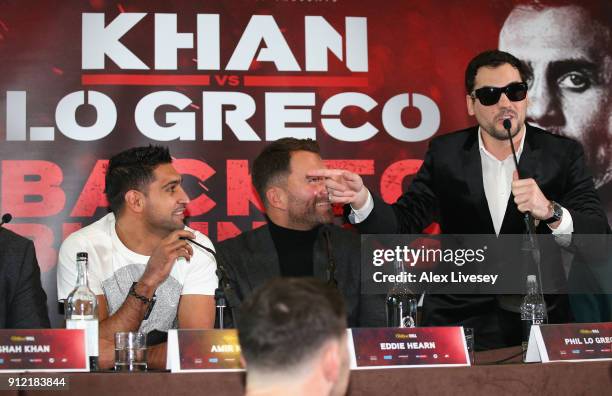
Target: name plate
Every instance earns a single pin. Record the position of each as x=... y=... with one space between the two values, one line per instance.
x=42 y=350
x=376 y=348
x=571 y=342
x=203 y=350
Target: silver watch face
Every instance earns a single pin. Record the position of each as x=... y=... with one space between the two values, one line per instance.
x=557 y=211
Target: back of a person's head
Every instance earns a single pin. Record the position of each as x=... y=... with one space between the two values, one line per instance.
x=286 y=322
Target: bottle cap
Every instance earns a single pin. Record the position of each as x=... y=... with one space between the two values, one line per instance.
x=81 y=255
x=531 y=278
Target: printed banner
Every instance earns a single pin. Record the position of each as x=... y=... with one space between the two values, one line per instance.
x=570 y=342
x=42 y=350
x=372 y=82
x=409 y=347
x=203 y=350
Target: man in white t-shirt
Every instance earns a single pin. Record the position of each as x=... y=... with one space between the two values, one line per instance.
x=145 y=275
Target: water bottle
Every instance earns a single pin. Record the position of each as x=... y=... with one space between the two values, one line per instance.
x=533 y=310
x=401 y=302
x=82 y=311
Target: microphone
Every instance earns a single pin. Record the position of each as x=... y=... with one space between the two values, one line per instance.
x=331 y=262
x=529 y=222
x=6 y=218
x=223 y=292
x=507 y=127
x=532 y=242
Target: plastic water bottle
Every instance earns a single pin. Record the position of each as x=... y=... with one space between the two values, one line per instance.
x=533 y=310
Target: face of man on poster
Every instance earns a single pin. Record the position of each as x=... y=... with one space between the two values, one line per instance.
x=568 y=56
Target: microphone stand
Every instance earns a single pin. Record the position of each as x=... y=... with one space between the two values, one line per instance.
x=531 y=244
x=225 y=296
x=331 y=262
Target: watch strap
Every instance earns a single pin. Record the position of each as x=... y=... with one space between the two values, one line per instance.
x=557 y=213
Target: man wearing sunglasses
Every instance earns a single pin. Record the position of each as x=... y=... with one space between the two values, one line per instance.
x=468 y=184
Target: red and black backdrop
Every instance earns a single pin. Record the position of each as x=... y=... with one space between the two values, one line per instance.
x=371 y=81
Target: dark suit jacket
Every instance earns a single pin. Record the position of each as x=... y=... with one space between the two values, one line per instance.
x=251 y=260
x=23 y=301
x=449 y=189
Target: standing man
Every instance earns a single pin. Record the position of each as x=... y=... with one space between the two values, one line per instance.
x=23 y=302
x=468 y=184
x=292 y=334
x=145 y=275
x=567 y=52
x=299 y=239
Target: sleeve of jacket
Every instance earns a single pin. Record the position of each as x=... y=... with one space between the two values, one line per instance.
x=28 y=310
x=414 y=210
x=372 y=310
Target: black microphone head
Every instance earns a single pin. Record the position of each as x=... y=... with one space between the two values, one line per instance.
x=6 y=218
x=507 y=124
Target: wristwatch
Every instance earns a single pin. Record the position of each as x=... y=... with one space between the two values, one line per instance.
x=150 y=301
x=557 y=213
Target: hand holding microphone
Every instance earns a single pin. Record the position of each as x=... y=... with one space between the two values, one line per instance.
x=528 y=197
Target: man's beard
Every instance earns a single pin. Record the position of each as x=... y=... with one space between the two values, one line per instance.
x=310 y=214
x=503 y=133
x=166 y=225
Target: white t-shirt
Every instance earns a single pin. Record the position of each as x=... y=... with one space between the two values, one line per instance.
x=112 y=268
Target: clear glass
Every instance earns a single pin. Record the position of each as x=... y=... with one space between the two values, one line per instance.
x=130 y=351
x=401 y=304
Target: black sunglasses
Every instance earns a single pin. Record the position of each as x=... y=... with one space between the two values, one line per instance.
x=488 y=96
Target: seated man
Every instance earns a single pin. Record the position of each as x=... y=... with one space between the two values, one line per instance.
x=292 y=333
x=138 y=258
x=298 y=239
x=23 y=301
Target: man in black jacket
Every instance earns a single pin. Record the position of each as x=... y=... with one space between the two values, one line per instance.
x=299 y=239
x=23 y=302
x=469 y=185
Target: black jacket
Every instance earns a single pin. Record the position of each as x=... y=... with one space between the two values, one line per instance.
x=448 y=189
x=23 y=302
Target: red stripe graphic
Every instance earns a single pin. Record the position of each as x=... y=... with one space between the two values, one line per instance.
x=304 y=81
x=143 y=79
x=248 y=81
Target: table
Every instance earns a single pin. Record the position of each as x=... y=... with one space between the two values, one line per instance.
x=509 y=378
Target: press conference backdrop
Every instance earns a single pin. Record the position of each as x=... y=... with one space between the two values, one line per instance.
x=372 y=82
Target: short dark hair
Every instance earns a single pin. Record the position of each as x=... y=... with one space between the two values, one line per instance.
x=288 y=320
x=491 y=58
x=132 y=169
x=273 y=162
